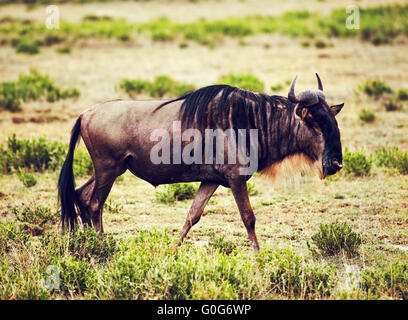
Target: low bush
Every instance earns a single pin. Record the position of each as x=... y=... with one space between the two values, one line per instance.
x=82 y=245
x=31 y=87
x=9 y=97
x=28 y=179
x=356 y=163
x=76 y=277
x=113 y=206
x=176 y=192
x=389 y=281
x=64 y=50
x=252 y=191
x=11 y=235
x=392 y=105
x=33 y=214
x=224 y=246
x=392 y=158
x=27 y=46
x=161 y=86
x=321 y=44
x=367 y=115
x=243 y=81
x=402 y=94
x=291 y=276
x=335 y=238
x=375 y=88
x=39 y=155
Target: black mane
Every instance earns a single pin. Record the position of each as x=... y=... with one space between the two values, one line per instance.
x=235 y=108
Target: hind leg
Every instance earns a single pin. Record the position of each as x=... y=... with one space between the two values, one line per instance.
x=104 y=180
x=84 y=195
x=92 y=196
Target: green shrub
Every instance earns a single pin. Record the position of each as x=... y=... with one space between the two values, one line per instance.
x=11 y=235
x=27 y=46
x=367 y=115
x=33 y=214
x=28 y=179
x=335 y=238
x=38 y=155
x=54 y=38
x=375 y=88
x=392 y=158
x=321 y=44
x=19 y=281
x=305 y=43
x=113 y=206
x=161 y=86
x=29 y=88
x=356 y=163
x=9 y=97
x=277 y=87
x=76 y=277
x=243 y=81
x=176 y=192
x=252 y=191
x=402 y=95
x=291 y=276
x=82 y=244
x=92 y=17
x=224 y=246
x=392 y=105
x=64 y=50
x=389 y=281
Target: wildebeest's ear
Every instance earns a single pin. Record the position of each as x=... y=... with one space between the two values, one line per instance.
x=336 y=108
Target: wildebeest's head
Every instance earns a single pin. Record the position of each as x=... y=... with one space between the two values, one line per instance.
x=312 y=108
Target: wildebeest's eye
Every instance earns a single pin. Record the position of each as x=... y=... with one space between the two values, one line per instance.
x=302 y=112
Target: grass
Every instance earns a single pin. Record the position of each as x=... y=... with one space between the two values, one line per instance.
x=389 y=281
x=335 y=238
x=367 y=115
x=392 y=157
x=243 y=81
x=39 y=155
x=161 y=86
x=28 y=179
x=379 y=25
x=33 y=86
x=356 y=163
x=375 y=88
x=176 y=192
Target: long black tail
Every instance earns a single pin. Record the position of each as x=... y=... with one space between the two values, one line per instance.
x=66 y=184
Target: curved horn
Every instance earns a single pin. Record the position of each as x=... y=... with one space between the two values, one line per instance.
x=319 y=82
x=291 y=94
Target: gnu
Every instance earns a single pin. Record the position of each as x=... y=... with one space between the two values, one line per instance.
x=300 y=128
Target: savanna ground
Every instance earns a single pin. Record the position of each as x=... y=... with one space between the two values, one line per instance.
x=137 y=259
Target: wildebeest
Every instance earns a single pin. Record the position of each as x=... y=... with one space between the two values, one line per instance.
x=118 y=135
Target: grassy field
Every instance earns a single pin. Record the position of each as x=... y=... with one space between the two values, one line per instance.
x=136 y=258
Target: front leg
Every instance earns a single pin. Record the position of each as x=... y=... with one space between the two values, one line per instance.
x=240 y=192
